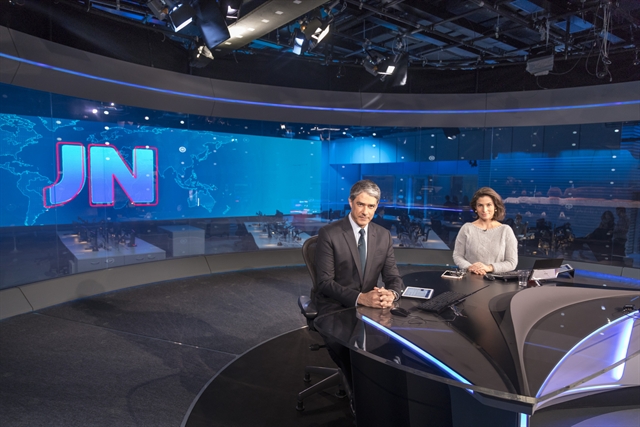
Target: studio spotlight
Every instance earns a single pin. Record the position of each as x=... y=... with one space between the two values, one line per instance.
x=321 y=31
x=201 y=57
x=231 y=8
x=311 y=33
x=402 y=63
x=159 y=8
x=299 y=41
x=540 y=66
x=310 y=27
x=212 y=22
x=180 y=16
x=377 y=64
x=387 y=67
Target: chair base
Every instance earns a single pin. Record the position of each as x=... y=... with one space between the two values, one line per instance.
x=333 y=379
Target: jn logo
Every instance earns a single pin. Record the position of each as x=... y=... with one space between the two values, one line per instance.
x=105 y=166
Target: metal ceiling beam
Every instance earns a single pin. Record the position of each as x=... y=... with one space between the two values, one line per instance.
x=265 y=18
x=422 y=28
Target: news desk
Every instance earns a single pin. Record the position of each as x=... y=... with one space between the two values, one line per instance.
x=508 y=353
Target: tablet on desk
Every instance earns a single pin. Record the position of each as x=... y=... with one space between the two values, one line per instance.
x=414 y=292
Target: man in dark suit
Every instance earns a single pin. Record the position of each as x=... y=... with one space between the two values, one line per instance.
x=351 y=254
x=342 y=282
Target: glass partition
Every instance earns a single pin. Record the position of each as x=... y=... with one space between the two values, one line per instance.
x=87 y=185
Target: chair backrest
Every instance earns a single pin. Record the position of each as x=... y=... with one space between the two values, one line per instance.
x=309 y=255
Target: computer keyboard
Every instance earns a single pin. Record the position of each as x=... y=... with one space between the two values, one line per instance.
x=442 y=301
x=509 y=275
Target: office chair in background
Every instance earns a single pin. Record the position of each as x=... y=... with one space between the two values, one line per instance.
x=333 y=376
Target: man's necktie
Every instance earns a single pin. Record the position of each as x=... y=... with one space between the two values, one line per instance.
x=362 y=248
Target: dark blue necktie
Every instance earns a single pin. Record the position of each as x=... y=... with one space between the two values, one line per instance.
x=362 y=248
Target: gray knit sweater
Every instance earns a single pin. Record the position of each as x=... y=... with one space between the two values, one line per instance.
x=497 y=246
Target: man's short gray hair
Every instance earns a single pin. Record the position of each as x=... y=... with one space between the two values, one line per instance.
x=366 y=186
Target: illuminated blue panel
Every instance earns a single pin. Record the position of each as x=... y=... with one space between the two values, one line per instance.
x=617 y=335
x=418 y=350
x=622 y=349
x=608 y=277
x=523 y=420
x=527 y=6
x=576 y=25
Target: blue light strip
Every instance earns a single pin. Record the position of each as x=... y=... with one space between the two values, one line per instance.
x=622 y=349
x=592 y=388
x=523 y=420
x=308 y=107
x=610 y=277
x=418 y=350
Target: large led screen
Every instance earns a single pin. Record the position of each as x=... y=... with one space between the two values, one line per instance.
x=55 y=171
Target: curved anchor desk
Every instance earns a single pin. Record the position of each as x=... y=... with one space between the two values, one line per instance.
x=510 y=352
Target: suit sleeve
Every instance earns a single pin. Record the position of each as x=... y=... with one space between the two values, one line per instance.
x=390 y=274
x=326 y=264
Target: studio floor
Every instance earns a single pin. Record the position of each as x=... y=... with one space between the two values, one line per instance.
x=141 y=356
x=218 y=350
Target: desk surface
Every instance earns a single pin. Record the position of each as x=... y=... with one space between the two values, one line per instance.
x=261 y=237
x=82 y=250
x=518 y=345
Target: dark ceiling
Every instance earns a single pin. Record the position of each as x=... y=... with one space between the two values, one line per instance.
x=459 y=46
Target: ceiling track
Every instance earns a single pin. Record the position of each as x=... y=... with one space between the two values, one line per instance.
x=420 y=28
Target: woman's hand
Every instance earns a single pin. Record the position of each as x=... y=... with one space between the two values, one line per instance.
x=480 y=268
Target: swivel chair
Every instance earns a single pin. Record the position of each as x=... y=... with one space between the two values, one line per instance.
x=333 y=376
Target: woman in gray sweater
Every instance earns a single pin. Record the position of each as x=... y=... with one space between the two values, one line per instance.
x=485 y=245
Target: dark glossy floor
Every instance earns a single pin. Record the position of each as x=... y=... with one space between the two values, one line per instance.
x=146 y=357
x=141 y=356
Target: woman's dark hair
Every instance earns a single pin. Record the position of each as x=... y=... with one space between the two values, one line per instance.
x=499 y=212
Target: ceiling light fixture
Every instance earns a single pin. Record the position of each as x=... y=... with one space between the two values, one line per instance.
x=379 y=65
x=322 y=31
x=201 y=57
x=311 y=32
x=180 y=16
x=231 y=8
x=299 y=41
x=540 y=66
x=373 y=63
x=159 y=8
x=212 y=23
